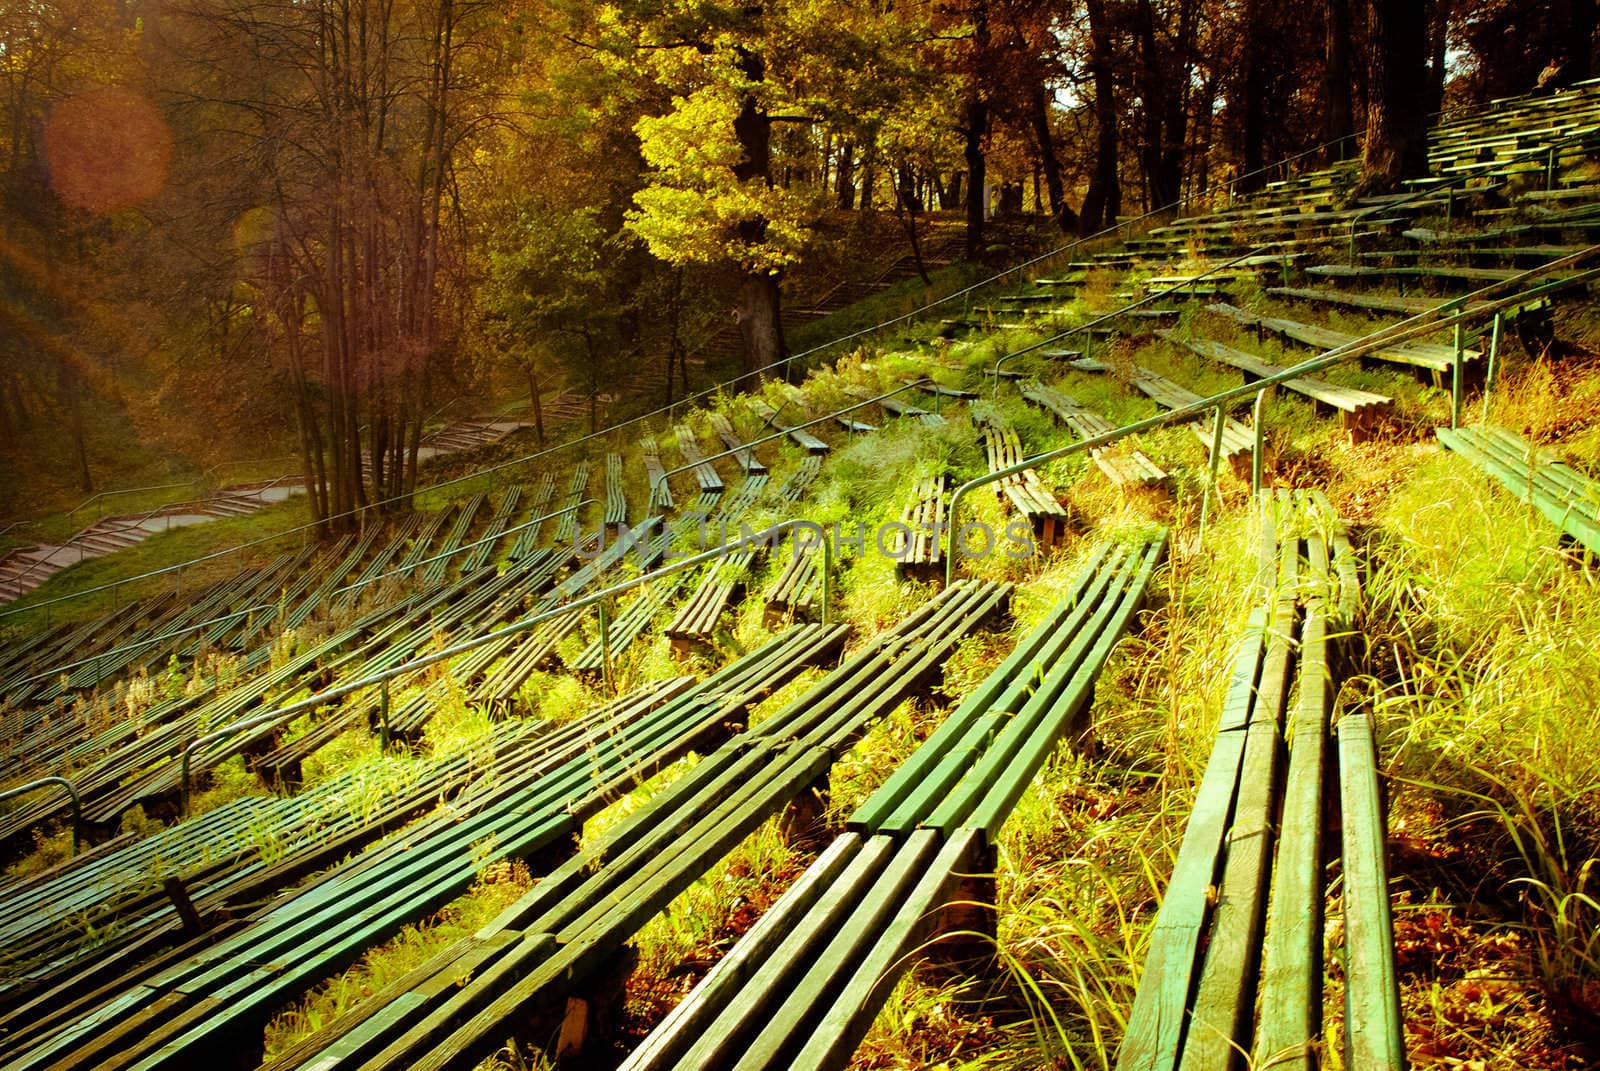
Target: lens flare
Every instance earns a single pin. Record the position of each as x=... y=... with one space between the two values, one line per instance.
x=108 y=149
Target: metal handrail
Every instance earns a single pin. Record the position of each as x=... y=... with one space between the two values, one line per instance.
x=53 y=782
x=150 y=641
x=1454 y=310
x=765 y=536
x=661 y=481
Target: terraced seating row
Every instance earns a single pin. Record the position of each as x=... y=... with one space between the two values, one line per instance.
x=1025 y=493
x=435 y=571
x=744 y=455
x=128 y=899
x=907 y=879
x=209 y=1004
x=799 y=436
x=1360 y=410
x=557 y=955
x=1432 y=356
x=918 y=551
x=1238 y=441
x=1122 y=465
x=1567 y=498
x=705 y=475
x=1234 y=971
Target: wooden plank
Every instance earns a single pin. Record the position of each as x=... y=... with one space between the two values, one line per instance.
x=1374 y=1038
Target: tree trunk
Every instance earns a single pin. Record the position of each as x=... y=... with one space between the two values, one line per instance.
x=1103 y=201
x=70 y=389
x=1439 y=34
x=1049 y=163
x=758 y=323
x=538 y=403
x=905 y=210
x=847 y=176
x=1254 y=128
x=1580 y=54
x=975 y=128
x=1397 y=131
x=1336 y=86
x=975 y=123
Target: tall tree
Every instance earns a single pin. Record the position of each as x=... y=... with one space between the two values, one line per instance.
x=1103 y=201
x=1337 y=88
x=1397 y=121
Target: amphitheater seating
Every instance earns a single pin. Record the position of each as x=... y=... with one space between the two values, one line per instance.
x=1235 y=960
x=802 y=986
x=1567 y=498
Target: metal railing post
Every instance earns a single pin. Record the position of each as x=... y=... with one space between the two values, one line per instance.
x=1257 y=457
x=383 y=714
x=1488 y=372
x=603 y=611
x=1456 y=362
x=1217 y=425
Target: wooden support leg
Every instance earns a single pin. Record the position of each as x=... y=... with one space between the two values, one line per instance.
x=591 y=1017
x=965 y=933
x=804 y=824
x=544 y=860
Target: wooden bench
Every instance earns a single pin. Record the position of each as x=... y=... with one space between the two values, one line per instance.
x=656 y=473
x=1238 y=441
x=1024 y=492
x=436 y=569
x=921 y=553
x=1234 y=970
x=744 y=455
x=705 y=475
x=799 y=436
x=1124 y=466
x=1409 y=306
x=551 y=968
x=696 y=619
x=577 y=487
x=480 y=555
x=1567 y=498
x=1432 y=356
x=912 y=877
x=793 y=594
x=616 y=503
x=1361 y=410
x=544 y=490
x=800 y=480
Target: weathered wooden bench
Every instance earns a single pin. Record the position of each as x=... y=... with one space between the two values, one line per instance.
x=1025 y=492
x=1238 y=441
x=577 y=487
x=799 y=436
x=551 y=969
x=793 y=594
x=544 y=489
x=730 y=439
x=656 y=473
x=481 y=554
x=1120 y=465
x=1234 y=971
x=616 y=503
x=921 y=553
x=800 y=480
x=1566 y=497
x=705 y=475
x=696 y=619
x=1360 y=410
x=912 y=876
x=436 y=569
